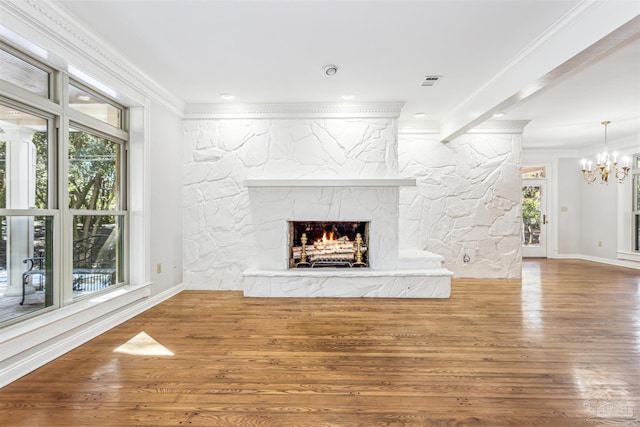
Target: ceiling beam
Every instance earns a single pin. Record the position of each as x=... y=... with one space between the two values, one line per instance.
x=585 y=33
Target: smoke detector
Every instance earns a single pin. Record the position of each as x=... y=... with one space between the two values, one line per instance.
x=330 y=70
x=431 y=80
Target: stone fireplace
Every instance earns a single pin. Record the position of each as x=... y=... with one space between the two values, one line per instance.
x=250 y=171
x=284 y=209
x=323 y=244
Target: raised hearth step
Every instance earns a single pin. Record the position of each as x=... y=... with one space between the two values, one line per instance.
x=419 y=259
x=348 y=283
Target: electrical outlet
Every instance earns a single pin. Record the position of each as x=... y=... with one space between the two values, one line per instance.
x=159 y=268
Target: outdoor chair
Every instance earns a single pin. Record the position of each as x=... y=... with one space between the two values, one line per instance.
x=93 y=265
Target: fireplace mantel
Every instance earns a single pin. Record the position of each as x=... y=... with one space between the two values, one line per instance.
x=329 y=182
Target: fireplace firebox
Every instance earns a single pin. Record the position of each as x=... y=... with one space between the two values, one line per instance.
x=314 y=244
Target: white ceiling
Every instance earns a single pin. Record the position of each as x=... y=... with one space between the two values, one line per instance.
x=273 y=52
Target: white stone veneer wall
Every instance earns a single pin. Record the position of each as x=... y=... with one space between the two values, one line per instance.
x=467 y=200
x=219 y=226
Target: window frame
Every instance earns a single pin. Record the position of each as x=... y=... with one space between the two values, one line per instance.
x=122 y=193
x=52 y=146
x=119 y=135
x=123 y=119
x=121 y=210
x=51 y=86
x=59 y=115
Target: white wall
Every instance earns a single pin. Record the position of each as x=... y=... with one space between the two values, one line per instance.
x=598 y=219
x=467 y=201
x=219 y=228
x=569 y=207
x=592 y=226
x=165 y=186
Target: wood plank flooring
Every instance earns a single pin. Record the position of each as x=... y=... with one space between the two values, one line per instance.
x=562 y=348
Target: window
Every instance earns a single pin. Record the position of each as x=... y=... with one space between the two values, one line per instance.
x=92 y=104
x=26 y=243
x=533 y=172
x=63 y=217
x=24 y=153
x=95 y=180
x=24 y=74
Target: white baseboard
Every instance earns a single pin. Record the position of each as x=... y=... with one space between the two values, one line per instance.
x=23 y=363
x=616 y=262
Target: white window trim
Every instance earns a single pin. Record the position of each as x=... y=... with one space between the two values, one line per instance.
x=625 y=219
x=63 y=117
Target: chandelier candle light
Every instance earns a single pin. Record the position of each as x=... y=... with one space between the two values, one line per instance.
x=605 y=164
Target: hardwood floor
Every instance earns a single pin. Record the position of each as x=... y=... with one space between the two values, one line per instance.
x=562 y=348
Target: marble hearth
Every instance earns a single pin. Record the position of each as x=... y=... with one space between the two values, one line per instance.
x=391 y=272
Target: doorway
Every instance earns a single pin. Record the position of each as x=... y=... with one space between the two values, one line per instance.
x=534 y=218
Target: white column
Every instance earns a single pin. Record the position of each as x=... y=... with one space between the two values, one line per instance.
x=21 y=180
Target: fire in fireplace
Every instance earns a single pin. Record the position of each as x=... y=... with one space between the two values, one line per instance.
x=315 y=244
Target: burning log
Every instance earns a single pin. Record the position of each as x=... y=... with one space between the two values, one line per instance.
x=328 y=250
x=341 y=249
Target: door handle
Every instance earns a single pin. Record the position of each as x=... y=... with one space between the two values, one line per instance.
x=544 y=219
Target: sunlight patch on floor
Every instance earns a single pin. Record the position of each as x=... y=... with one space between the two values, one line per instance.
x=143 y=345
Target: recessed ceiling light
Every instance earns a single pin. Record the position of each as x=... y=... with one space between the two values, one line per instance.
x=420 y=115
x=330 y=70
x=501 y=114
x=84 y=98
x=227 y=96
x=348 y=96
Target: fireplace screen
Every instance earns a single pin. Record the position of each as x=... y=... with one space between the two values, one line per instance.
x=315 y=244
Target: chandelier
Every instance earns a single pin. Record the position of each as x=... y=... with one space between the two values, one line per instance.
x=606 y=165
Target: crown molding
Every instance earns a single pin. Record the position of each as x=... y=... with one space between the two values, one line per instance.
x=309 y=110
x=418 y=127
x=51 y=20
x=329 y=182
x=432 y=127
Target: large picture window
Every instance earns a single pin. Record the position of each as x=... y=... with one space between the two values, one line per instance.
x=63 y=210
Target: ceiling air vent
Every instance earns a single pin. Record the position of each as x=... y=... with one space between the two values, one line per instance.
x=431 y=80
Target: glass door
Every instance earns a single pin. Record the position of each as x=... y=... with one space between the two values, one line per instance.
x=534 y=218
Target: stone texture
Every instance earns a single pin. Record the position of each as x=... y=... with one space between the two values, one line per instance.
x=467 y=200
x=229 y=228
